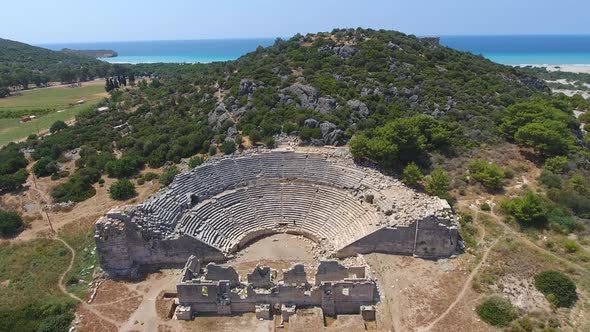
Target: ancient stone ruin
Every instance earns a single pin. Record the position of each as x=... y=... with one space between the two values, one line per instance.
x=335 y=288
x=219 y=207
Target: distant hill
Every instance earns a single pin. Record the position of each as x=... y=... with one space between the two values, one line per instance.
x=92 y=53
x=22 y=64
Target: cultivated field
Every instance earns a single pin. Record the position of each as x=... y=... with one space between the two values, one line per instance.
x=48 y=104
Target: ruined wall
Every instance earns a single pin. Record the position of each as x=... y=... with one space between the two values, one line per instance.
x=427 y=238
x=122 y=250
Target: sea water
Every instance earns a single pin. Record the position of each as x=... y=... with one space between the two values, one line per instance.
x=510 y=50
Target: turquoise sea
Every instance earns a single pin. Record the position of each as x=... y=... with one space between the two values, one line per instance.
x=510 y=50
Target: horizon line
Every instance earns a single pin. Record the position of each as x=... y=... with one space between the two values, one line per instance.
x=288 y=37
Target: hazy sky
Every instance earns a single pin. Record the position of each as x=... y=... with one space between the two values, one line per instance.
x=45 y=21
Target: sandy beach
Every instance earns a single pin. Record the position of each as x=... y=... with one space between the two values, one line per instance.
x=570 y=68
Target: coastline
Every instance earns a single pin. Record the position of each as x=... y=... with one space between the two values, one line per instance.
x=578 y=68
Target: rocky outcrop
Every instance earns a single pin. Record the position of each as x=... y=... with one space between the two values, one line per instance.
x=325 y=105
x=246 y=87
x=311 y=123
x=218 y=116
x=345 y=51
x=307 y=97
x=358 y=107
x=331 y=135
x=534 y=83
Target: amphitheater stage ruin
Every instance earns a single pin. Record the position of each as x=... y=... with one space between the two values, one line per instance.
x=210 y=213
x=215 y=289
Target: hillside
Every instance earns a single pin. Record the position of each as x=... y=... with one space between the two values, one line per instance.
x=508 y=154
x=22 y=64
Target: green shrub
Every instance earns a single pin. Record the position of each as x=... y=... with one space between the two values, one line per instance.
x=45 y=167
x=123 y=167
x=558 y=288
x=438 y=182
x=412 y=175
x=307 y=134
x=529 y=208
x=140 y=181
x=168 y=176
x=490 y=175
x=486 y=207
x=228 y=147
x=212 y=150
x=560 y=221
x=571 y=246
x=78 y=188
x=149 y=176
x=549 y=180
x=270 y=143
x=122 y=190
x=496 y=311
x=195 y=161
x=10 y=222
x=557 y=165
x=57 y=126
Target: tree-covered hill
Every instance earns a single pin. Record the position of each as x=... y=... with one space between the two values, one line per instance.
x=396 y=99
x=22 y=64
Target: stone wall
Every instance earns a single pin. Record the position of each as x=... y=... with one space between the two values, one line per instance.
x=335 y=292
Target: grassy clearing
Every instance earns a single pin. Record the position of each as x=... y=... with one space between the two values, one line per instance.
x=30 y=298
x=49 y=104
x=12 y=130
x=57 y=98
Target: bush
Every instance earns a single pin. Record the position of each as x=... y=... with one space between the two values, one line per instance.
x=149 y=176
x=557 y=165
x=307 y=134
x=212 y=150
x=228 y=147
x=496 y=311
x=45 y=167
x=168 y=176
x=57 y=126
x=490 y=175
x=558 y=288
x=560 y=221
x=123 y=167
x=486 y=207
x=529 y=208
x=412 y=175
x=195 y=161
x=78 y=188
x=438 y=182
x=549 y=180
x=122 y=189
x=571 y=246
x=140 y=181
x=270 y=143
x=10 y=222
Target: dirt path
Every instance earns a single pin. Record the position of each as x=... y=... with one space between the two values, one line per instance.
x=466 y=285
x=64 y=290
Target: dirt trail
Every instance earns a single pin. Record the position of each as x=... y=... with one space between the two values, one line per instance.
x=466 y=284
x=64 y=290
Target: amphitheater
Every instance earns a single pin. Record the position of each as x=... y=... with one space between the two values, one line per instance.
x=216 y=209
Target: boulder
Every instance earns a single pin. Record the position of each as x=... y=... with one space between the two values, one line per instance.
x=325 y=105
x=336 y=137
x=218 y=116
x=246 y=87
x=413 y=99
x=327 y=127
x=232 y=131
x=358 y=107
x=311 y=123
x=307 y=95
x=345 y=51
